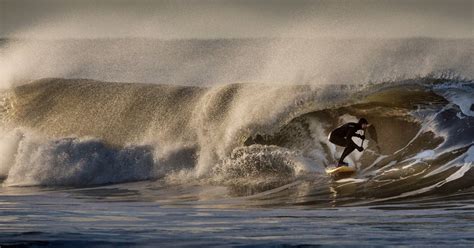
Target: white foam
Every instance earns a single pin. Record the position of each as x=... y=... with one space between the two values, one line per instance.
x=460 y=172
x=470 y=155
x=426 y=154
x=351 y=180
x=464 y=99
x=9 y=142
x=34 y=160
x=469 y=158
x=456 y=175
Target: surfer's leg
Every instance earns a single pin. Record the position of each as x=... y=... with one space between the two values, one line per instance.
x=350 y=148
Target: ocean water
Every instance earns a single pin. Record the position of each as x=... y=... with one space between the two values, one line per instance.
x=150 y=215
x=101 y=150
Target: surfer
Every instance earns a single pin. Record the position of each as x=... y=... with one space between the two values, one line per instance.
x=342 y=136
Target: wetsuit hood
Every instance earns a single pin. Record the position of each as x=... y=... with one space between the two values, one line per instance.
x=362 y=121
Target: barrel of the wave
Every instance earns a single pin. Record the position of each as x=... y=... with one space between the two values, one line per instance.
x=340 y=172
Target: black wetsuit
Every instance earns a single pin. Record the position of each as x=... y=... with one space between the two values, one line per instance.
x=342 y=136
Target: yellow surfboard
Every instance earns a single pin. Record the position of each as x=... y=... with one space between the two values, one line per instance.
x=342 y=170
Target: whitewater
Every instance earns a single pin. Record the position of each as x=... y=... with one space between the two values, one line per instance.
x=224 y=142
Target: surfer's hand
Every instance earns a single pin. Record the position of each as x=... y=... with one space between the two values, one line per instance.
x=360 y=148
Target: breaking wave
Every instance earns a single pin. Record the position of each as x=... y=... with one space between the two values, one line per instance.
x=251 y=138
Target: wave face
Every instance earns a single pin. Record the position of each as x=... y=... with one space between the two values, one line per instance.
x=252 y=138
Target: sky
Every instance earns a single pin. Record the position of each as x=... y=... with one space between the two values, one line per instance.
x=203 y=19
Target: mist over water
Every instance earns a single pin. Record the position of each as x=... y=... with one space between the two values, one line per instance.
x=215 y=62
